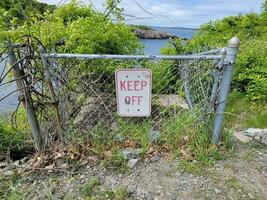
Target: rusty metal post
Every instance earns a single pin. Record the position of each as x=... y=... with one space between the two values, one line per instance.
x=52 y=92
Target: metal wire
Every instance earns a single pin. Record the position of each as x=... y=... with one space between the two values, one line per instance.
x=85 y=91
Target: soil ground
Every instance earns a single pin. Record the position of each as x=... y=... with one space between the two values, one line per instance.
x=242 y=175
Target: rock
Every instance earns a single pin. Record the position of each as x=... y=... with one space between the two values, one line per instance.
x=257 y=138
x=255 y=132
x=155 y=158
x=132 y=162
x=24 y=160
x=97 y=110
x=157 y=192
x=115 y=126
x=154 y=136
x=152 y=34
x=242 y=137
x=217 y=191
x=3 y=165
x=264 y=140
x=171 y=100
x=16 y=163
x=112 y=182
x=7 y=173
x=259 y=135
x=131 y=153
x=59 y=162
x=251 y=196
x=131 y=189
x=89 y=105
x=119 y=138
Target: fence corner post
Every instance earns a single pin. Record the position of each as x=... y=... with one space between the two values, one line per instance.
x=230 y=59
x=26 y=100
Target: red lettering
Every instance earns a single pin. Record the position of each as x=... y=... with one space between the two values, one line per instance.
x=143 y=84
x=132 y=100
x=122 y=85
x=139 y=99
x=129 y=84
x=136 y=83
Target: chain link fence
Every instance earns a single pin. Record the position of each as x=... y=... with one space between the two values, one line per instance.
x=70 y=94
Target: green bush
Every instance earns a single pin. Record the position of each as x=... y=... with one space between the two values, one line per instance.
x=74 y=28
x=77 y=28
x=250 y=74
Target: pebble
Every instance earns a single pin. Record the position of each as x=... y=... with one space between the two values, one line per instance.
x=132 y=162
x=157 y=192
x=155 y=159
x=250 y=196
x=154 y=136
x=258 y=138
x=131 y=189
x=217 y=191
x=183 y=182
x=3 y=165
x=131 y=153
x=264 y=140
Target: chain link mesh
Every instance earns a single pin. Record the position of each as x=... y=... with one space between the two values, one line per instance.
x=87 y=95
x=184 y=93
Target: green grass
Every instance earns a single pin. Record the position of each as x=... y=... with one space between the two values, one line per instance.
x=190 y=167
x=87 y=189
x=116 y=162
x=10 y=187
x=243 y=113
x=136 y=131
x=93 y=190
x=182 y=134
x=15 y=138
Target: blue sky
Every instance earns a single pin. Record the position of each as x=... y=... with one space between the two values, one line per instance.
x=179 y=13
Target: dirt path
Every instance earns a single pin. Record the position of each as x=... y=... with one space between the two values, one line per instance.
x=242 y=176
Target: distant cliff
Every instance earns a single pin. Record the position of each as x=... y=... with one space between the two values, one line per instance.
x=152 y=34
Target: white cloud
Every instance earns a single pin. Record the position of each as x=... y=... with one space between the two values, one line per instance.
x=189 y=13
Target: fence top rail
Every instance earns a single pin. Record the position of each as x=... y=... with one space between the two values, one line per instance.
x=134 y=57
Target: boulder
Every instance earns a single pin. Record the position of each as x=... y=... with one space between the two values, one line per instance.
x=256 y=134
x=171 y=100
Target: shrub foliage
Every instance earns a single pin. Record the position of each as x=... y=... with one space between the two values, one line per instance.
x=251 y=68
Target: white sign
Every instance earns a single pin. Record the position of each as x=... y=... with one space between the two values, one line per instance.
x=133 y=89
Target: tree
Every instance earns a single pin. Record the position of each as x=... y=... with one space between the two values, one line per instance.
x=21 y=10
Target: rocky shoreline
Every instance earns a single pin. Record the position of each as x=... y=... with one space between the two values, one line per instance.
x=153 y=34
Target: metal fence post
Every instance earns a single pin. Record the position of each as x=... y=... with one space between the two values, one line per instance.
x=52 y=91
x=225 y=84
x=26 y=100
